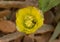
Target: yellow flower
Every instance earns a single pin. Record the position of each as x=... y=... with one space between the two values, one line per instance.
x=29 y=19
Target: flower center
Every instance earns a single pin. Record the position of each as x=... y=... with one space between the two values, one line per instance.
x=29 y=21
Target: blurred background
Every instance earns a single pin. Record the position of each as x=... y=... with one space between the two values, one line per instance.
x=8 y=32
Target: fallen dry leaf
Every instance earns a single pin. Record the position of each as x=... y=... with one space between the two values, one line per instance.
x=17 y=40
x=49 y=17
x=28 y=39
x=43 y=38
x=7 y=26
x=45 y=28
x=12 y=36
x=4 y=13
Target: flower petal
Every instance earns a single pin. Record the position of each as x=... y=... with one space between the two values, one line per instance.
x=22 y=13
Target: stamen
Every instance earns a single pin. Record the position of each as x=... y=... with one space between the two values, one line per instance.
x=29 y=21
